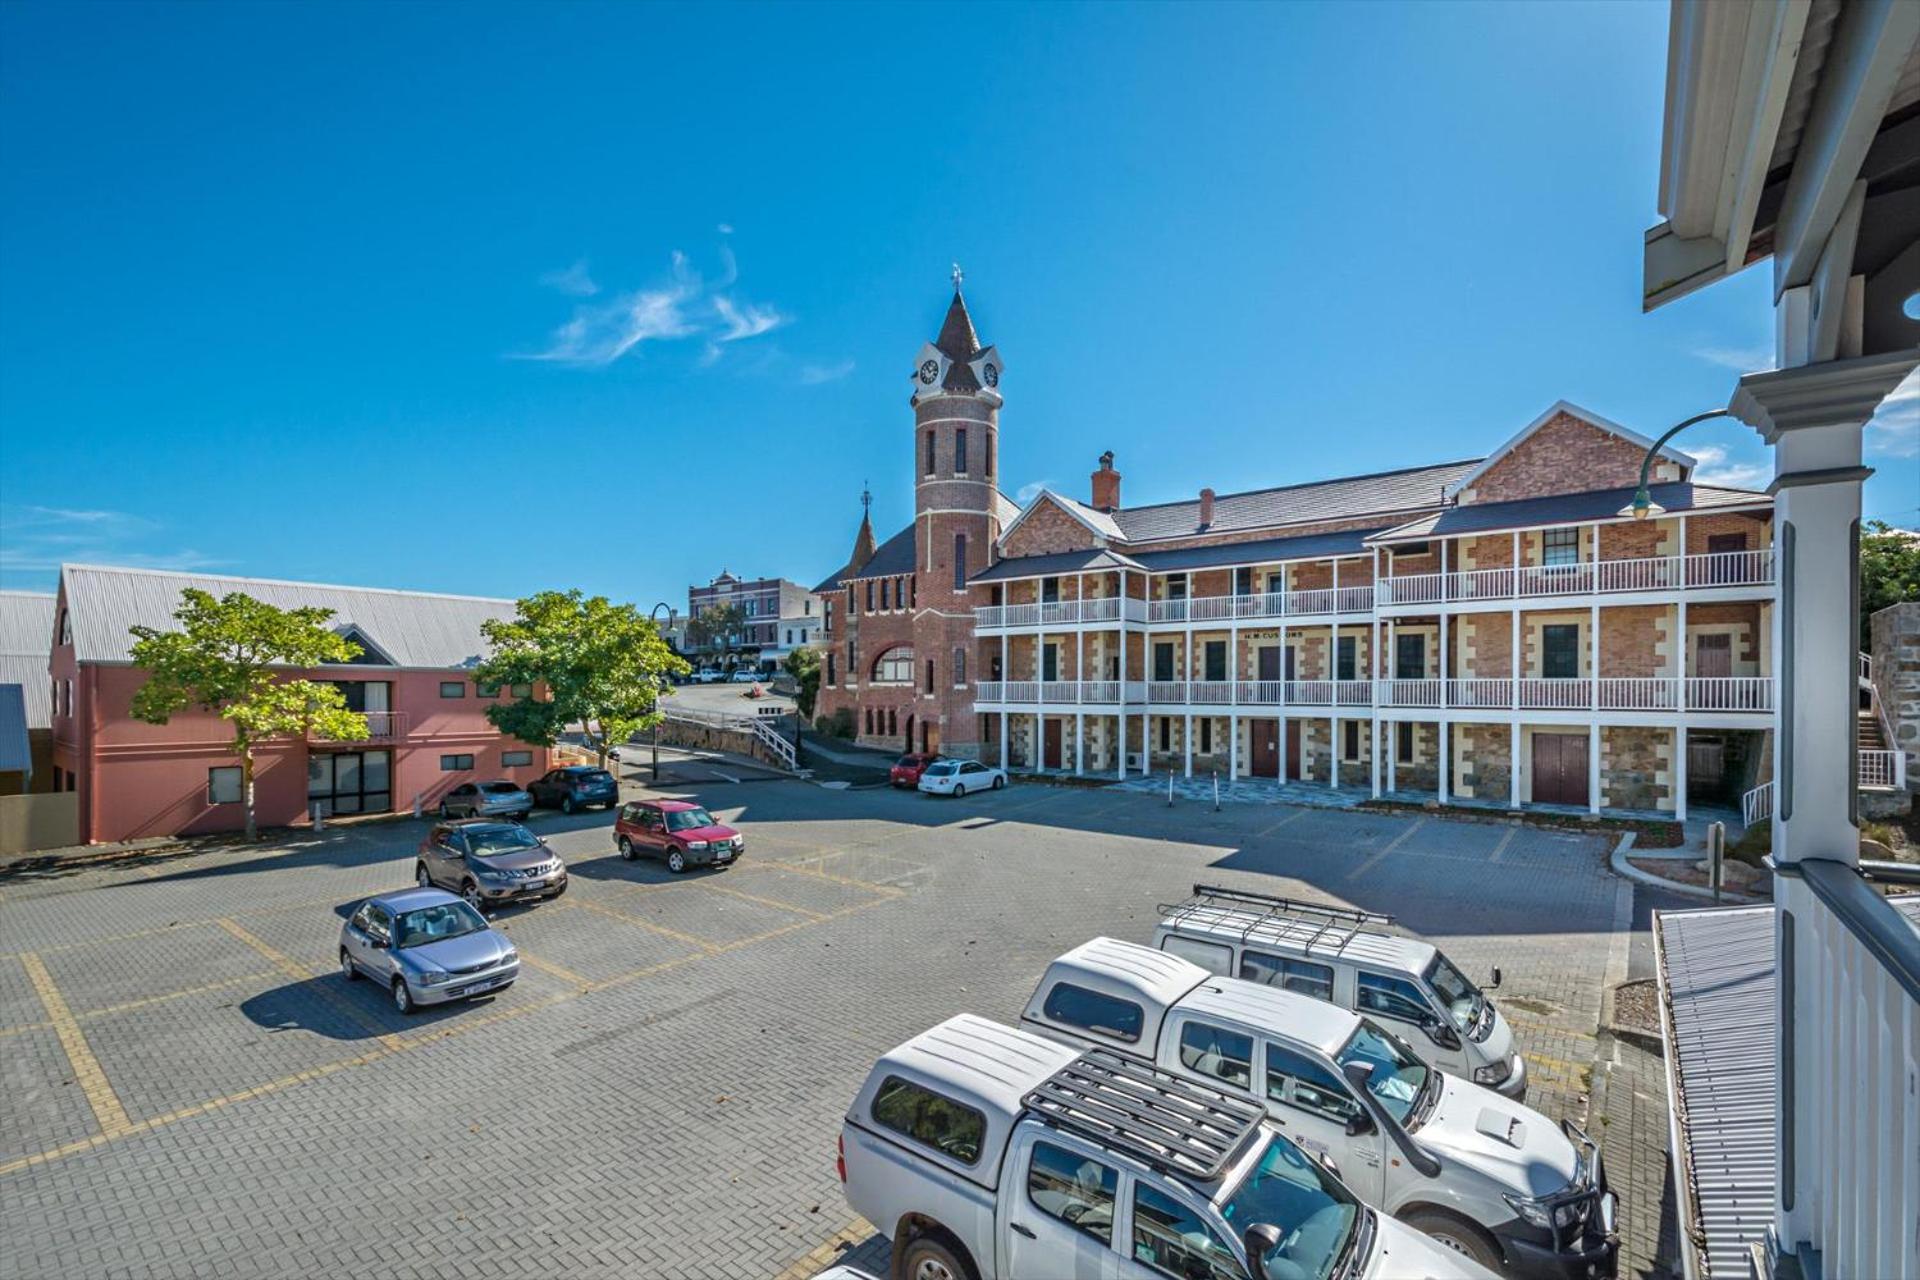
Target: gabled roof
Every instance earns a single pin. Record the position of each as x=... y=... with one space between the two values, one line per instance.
x=1566 y=508
x=1572 y=410
x=1313 y=546
x=1380 y=493
x=1098 y=523
x=26 y=641
x=416 y=628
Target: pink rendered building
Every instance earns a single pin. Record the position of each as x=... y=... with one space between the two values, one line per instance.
x=414 y=680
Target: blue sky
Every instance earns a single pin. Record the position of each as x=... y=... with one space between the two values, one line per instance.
x=487 y=299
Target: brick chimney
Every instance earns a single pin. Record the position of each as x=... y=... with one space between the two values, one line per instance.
x=1206 y=508
x=1106 y=484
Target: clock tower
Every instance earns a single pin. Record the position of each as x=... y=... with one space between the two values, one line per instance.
x=956 y=465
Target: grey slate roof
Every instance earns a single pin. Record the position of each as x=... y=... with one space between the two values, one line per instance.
x=26 y=638
x=1313 y=546
x=895 y=555
x=1566 y=508
x=1383 y=493
x=417 y=629
x=1061 y=562
x=16 y=754
x=1720 y=1023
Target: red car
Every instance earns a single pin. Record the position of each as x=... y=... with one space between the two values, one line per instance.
x=678 y=832
x=907 y=769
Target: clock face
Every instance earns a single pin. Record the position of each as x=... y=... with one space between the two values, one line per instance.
x=929 y=370
x=992 y=374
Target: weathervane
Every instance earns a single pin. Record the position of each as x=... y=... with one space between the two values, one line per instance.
x=958 y=275
x=866 y=497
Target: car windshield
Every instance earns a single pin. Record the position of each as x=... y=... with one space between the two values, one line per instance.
x=1461 y=998
x=1313 y=1213
x=942 y=768
x=436 y=924
x=499 y=788
x=688 y=819
x=907 y=762
x=486 y=842
x=1395 y=1077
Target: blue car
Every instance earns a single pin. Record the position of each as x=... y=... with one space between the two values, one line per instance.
x=426 y=946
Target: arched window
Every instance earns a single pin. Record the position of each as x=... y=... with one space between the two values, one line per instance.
x=895 y=666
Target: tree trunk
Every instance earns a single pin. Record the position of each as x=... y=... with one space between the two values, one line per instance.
x=246 y=789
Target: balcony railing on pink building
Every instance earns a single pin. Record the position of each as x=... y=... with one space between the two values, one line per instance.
x=385 y=725
x=1609 y=693
x=1589 y=577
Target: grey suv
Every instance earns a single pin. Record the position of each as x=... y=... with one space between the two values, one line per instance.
x=427 y=947
x=489 y=863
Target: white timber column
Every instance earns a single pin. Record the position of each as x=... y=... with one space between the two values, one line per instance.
x=1079 y=744
x=1446 y=592
x=1593 y=655
x=1680 y=773
x=1333 y=756
x=1120 y=694
x=1004 y=762
x=1233 y=745
x=1038 y=752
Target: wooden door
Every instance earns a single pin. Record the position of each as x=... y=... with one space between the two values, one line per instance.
x=1266 y=740
x=1713 y=656
x=1269 y=664
x=1706 y=767
x=1293 y=745
x=1560 y=768
x=1053 y=756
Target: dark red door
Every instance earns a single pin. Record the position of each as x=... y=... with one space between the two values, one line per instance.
x=1053 y=755
x=1560 y=768
x=1266 y=742
x=1293 y=745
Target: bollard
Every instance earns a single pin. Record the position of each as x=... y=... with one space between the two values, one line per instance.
x=319 y=818
x=1216 y=791
x=1169 y=788
x=1716 y=857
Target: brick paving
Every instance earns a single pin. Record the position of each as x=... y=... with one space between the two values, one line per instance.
x=660 y=1093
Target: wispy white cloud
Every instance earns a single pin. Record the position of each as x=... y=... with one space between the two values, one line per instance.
x=1028 y=492
x=744 y=319
x=812 y=375
x=1895 y=431
x=725 y=228
x=575 y=281
x=1719 y=467
x=682 y=306
x=1739 y=359
x=35 y=541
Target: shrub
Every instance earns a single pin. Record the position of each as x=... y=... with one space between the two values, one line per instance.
x=837 y=725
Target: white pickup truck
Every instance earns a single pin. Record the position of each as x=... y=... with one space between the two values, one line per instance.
x=1486 y=1176
x=990 y=1153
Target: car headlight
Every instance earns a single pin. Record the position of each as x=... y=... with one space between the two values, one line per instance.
x=494 y=873
x=1546 y=1214
x=697 y=846
x=1533 y=1212
x=1495 y=1074
x=434 y=977
x=512 y=956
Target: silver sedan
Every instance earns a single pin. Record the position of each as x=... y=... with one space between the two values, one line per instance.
x=426 y=947
x=501 y=799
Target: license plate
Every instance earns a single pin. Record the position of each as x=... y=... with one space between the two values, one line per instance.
x=535 y=886
x=728 y=856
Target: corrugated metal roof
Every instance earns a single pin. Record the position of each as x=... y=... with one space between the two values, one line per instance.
x=16 y=756
x=1721 y=1021
x=417 y=629
x=26 y=637
x=1566 y=508
x=1351 y=497
x=30 y=673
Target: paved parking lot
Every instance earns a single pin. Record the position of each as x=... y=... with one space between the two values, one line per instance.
x=192 y=1089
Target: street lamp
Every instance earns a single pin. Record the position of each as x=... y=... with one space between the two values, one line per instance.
x=655 y=616
x=1643 y=506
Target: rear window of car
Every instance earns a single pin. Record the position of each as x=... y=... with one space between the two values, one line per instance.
x=942 y=768
x=593 y=775
x=907 y=762
x=931 y=1119
x=499 y=788
x=1095 y=1011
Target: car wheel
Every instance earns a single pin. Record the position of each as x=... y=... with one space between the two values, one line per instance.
x=999 y=782
x=626 y=848
x=929 y=1259
x=471 y=892
x=1458 y=1235
x=676 y=862
x=421 y=876
x=402 y=997
x=347 y=970
x=444 y=811
x=566 y=806
x=959 y=789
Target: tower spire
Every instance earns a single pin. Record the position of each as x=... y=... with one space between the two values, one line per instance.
x=864 y=543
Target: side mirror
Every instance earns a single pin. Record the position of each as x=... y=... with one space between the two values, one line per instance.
x=1358 y=1123
x=1259 y=1240
x=1440 y=1032
x=378 y=944
x=1495 y=981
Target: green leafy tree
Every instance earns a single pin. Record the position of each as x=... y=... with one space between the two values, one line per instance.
x=1889 y=571
x=716 y=627
x=604 y=667
x=804 y=666
x=231 y=656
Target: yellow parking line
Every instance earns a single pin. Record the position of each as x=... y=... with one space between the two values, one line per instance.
x=23 y=1027
x=817 y=1259
x=817 y=874
x=765 y=902
x=107 y=1111
x=711 y=948
x=1386 y=849
x=553 y=970
x=144 y=1001
x=300 y=973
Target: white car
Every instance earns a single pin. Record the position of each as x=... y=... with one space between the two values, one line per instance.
x=958 y=777
x=708 y=675
x=747 y=675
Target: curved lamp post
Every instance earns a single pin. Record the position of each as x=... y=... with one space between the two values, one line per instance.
x=1643 y=505
x=654 y=615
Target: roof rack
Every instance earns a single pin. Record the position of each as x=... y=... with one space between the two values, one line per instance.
x=1267 y=908
x=1173 y=1125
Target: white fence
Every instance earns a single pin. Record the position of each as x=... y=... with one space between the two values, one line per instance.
x=1588 y=577
x=1093 y=609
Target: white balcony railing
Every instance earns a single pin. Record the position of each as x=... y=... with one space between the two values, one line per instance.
x=1051 y=613
x=1654 y=573
x=1059 y=692
x=1707 y=694
x=1729 y=693
x=1265 y=604
x=1411 y=693
x=1883 y=770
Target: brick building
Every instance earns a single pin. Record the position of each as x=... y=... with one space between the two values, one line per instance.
x=763 y=602
x=1491 y=630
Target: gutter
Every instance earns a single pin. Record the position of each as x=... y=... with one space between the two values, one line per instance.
x=1692 y=1238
